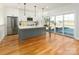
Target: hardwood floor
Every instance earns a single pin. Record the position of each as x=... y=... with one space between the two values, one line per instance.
x=39 y=45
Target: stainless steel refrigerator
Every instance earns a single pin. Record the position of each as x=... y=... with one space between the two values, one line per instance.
x=12 y=27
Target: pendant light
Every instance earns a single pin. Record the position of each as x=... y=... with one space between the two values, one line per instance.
x=24 y=12
x=42 y=21
x=23 y=18
x=35 y=10
x=42 y=12
x=24 y=9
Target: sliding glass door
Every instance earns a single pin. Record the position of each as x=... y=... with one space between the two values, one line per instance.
x=69 y=24
x=63 y=24
x=47 y=23
x=59 y=24
x=52 y=24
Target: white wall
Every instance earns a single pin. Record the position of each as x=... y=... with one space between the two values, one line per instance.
x=65 y=10
x=11 y=12
x=2 y=23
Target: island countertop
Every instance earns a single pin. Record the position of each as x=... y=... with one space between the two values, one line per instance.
x=29 y=27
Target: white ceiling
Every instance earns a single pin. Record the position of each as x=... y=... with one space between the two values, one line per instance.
x=30 y=6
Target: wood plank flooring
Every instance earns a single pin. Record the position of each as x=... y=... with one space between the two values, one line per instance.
x=40 y=45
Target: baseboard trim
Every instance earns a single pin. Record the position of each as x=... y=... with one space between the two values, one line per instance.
x=77 y=38
x=2 y=38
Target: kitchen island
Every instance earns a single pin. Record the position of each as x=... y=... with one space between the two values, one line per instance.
x=30 y=31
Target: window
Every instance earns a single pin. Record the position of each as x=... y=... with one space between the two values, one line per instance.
x=59 y=23
x=52 y=23
x=69 y=24
x=63 y=24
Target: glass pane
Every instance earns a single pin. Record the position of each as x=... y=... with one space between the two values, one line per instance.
x=52 y=24
x=47 y=22
x=69 y=24
x=59 y=24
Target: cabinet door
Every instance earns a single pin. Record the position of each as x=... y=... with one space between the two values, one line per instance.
x=14 y=25
x=9 y=26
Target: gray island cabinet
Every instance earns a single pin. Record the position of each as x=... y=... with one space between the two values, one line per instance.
x=27 y=32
